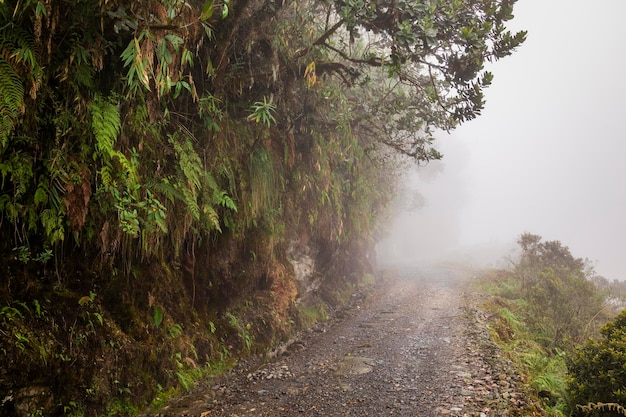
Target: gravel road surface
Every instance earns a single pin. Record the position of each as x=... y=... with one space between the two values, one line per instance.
x=413 y=346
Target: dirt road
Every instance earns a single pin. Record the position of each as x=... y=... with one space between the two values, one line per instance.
x=412 y=347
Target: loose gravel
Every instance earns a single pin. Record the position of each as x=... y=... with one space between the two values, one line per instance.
x=417 y=345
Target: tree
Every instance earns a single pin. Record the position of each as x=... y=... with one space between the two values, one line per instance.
x=563 y=301
x=424 y=60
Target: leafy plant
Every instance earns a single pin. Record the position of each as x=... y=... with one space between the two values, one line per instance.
x=174 y=330
x=262 y=112
x=243 y=331
x=157 y=316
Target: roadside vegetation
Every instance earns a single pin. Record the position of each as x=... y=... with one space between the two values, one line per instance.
x=552 y=319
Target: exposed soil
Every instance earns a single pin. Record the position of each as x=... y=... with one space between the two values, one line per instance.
x=414 y=346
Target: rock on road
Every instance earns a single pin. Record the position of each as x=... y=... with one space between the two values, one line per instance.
x=411 y=347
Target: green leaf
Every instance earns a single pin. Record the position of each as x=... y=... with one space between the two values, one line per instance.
x=207 y=10
x=99 y=317
x=41 y=195
x=40 y=10
x=157 y=315
x=174 y=40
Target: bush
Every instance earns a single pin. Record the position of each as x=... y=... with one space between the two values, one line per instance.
x=598 y=372
x=565 y=305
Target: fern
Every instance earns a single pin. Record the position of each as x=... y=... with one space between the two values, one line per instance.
x=106 y=125
x=189 y=161
x=18 y=44
x=5 y=199
x=157 y=316
x=224 y=200
x=17 y=55
x=11 y=100
x=52 y=222
x=107 y=177
x=212 y=217
x=41 y=195
x=191 y=200
x=166 y=188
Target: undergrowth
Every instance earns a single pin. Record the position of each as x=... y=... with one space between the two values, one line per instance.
x=545 y=312
x=545 y=370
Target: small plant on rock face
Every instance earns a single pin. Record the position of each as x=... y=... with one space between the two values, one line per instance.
x=261 y=112
x=243 y=331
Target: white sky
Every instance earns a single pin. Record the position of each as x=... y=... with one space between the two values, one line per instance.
x=547 y=154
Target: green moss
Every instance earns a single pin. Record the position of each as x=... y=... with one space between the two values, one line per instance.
x=368 y=279
x=311 y=314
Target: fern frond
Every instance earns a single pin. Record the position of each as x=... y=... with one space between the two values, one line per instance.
x=4 y=200
x=11 y=100
x=105 y=175
x=6 y=126
x=212 y=217
x=189 y=161
x=129 y=167
x=191 y=200
x=41 y=195
x=11 y=86
x=106 y=125
x=52 y=222
x=168 y=191
x=18 y=45
x=224 y=200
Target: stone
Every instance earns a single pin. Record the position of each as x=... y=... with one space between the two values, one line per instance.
x=29 y=401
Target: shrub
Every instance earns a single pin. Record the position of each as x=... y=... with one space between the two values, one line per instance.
x=598 y=372
x=565 y=305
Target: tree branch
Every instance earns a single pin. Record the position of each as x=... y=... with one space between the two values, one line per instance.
x=373 y=61
x=321 y=40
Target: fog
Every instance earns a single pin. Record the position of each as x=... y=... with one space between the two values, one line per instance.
x=547 y=154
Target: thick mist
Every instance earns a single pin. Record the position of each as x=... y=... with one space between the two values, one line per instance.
x=426 y=225
x=547 y=154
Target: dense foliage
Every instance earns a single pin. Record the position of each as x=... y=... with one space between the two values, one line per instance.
x=544 y=308
x=564 y=303
x=119 y=119
x=598 y=371
x=163 y=161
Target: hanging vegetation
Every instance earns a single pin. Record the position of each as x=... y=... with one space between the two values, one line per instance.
x=168 y=159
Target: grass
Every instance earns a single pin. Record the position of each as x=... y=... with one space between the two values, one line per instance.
x=545 y=371
x=368 y=280
x=312 y=314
